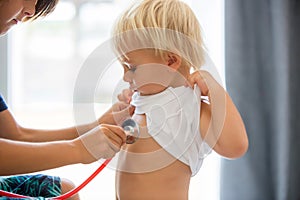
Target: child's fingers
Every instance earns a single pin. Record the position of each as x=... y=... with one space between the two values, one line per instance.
x=198 y=78
x=125 y=96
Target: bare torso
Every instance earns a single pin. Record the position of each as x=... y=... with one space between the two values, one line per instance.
x=146 y=171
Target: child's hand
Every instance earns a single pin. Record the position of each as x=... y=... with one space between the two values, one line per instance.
x=125 y=96
x=211 y=90
x=199 y=78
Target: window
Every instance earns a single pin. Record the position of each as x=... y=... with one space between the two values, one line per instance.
x=46 y=57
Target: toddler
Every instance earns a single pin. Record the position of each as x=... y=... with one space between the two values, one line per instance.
x=159 y=43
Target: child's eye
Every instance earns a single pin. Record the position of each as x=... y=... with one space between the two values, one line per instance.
x=129 y=67
x=132 y=68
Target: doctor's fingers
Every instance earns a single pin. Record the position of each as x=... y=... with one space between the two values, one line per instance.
x=122 y=113
x=115 y=134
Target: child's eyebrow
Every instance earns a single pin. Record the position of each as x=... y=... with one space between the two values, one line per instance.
x=124 y=59
x=125 y=63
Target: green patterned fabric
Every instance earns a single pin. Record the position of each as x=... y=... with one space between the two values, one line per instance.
x=40 y=186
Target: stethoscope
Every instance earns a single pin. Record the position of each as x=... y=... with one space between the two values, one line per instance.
x=132 y=131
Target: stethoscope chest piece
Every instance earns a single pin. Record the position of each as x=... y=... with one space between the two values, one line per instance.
x=132 y=131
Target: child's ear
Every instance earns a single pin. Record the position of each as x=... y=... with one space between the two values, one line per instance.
x=173 y=60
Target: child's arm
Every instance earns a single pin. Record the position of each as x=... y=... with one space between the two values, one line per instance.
x=221 y=124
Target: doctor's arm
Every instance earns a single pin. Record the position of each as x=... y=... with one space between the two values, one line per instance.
x=10 y=129
x=18 y=157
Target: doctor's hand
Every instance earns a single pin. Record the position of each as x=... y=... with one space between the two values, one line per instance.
x=118 y=113
x=103 y=141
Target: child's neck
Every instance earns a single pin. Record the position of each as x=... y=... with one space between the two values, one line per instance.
x=180 y=79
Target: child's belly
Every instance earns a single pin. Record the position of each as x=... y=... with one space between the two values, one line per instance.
x=146 y=171
x=159 y=185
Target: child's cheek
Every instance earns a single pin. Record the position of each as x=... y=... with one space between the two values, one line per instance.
x=153 y=74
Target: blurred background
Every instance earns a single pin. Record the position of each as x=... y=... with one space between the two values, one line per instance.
x=40 y=62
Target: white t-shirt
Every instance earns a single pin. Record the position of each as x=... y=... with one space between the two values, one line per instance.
x=173 y=118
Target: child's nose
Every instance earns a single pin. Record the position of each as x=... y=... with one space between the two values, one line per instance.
x=128 y=76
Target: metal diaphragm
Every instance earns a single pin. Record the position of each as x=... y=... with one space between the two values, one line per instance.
x=132 y=131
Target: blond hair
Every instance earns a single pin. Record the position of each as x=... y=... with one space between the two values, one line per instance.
x=163 y=25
